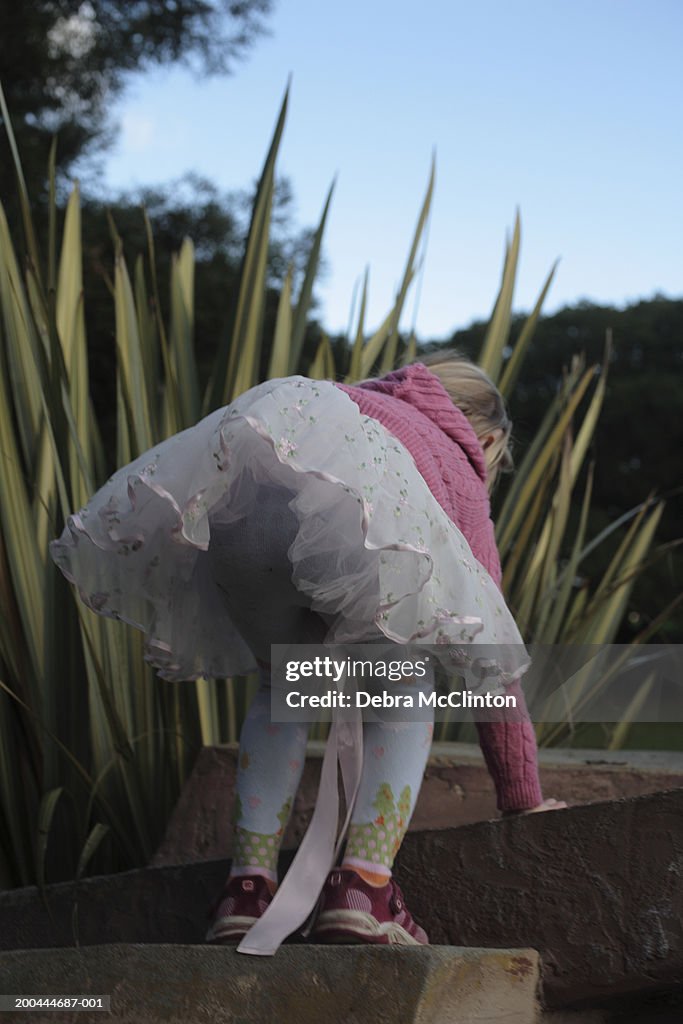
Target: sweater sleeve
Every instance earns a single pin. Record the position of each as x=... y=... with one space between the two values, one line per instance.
x=509 y=748
x=510 y=752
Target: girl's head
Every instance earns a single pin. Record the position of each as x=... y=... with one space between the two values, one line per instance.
x=476 y=395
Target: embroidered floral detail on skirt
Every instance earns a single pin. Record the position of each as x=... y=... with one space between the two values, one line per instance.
x=374 y=550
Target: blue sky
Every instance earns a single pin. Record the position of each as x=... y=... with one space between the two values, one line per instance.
x=567 y=109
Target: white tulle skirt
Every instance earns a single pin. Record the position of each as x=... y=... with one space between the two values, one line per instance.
x=373 y=550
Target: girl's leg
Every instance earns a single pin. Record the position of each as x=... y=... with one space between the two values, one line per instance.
x=361 y=902
x=271 y=760
x=394 y=759
x=252 y=572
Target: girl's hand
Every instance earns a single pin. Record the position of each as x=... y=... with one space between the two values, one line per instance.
x=551 y=804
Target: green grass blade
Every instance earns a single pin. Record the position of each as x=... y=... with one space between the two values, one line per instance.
x=170 y=415
x=31 y=243
x=182 y=333
x=491 y=355
x=372 y=349
x=279 y=353
x=127 y=763
x=208 y=712
x=46 y=811
x=70 y=322
x=22 y=345
x=304 y=303
x=148 y=343
x=121 y=833
x=390 y=352
x=236 y=365
x=621 y=553
x=590 y=420
x=608 y=608
x=411 y=350
x=16 y=520
x=90 y=847
x=532 y=454
x=532 y=480
x=560 y=604
x=522 y=550
x=320 y=367
x=138 y=422
x=356 y=365
x=519 y=352
x=543 y=567
x=635 y=705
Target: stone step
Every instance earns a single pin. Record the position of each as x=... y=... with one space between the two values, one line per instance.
x=457 y=790
x=596 y=890
x=174 y=984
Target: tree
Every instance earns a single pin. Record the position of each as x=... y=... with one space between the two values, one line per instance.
x=639 y=436
x=217 y=223
x=62 y=62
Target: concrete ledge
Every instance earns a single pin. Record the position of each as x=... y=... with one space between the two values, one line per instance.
x=150 y=905
x=302 y=984
x=666 y=1008
x=457 y=790
x=596 y=890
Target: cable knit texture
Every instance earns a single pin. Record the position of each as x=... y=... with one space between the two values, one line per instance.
x=413 y=405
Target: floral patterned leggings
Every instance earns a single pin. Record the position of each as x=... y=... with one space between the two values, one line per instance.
x=271 y=761
x=250 y=566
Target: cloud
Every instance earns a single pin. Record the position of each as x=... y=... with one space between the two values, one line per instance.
x=137 y=132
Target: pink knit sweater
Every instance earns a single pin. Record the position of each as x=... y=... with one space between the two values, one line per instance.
x=413 y=405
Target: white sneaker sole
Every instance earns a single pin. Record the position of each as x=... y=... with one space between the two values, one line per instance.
x=357 y=924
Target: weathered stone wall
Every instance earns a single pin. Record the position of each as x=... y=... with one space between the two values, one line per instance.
x=597 y=890
x=300 y=985
x=457 y=790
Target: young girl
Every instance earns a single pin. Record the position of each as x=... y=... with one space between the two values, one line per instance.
x=314 y=512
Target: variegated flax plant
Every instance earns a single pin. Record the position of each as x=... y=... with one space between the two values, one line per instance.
x=94 y=748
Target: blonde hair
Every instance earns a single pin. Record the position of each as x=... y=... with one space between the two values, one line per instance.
x=476 y=395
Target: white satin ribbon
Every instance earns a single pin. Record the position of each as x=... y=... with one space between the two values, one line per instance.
x=297 y=896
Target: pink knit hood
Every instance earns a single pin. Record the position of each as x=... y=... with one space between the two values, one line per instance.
x=414 y=406
x=423 y=390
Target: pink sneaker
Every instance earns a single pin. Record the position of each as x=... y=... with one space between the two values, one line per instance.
x=352 y=910
x=242 y=901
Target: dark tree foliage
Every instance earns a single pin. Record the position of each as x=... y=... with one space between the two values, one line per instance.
x=62 y=62
x=217 y=223
x=638 y=443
